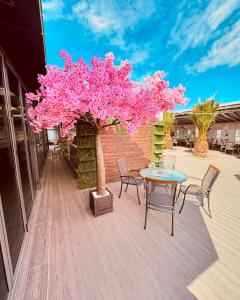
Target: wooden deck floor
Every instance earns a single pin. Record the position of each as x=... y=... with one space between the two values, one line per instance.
x=69 y=254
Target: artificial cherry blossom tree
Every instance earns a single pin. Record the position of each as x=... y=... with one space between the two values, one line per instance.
x=103 y=94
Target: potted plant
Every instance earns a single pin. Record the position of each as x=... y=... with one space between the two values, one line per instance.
x=203 y=116
x=101 y=94
x=168 y=121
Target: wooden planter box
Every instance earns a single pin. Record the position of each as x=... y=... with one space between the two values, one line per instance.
x=101 y=205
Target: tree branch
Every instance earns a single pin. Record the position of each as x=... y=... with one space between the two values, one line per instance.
x=115 y=122
x=86 y=119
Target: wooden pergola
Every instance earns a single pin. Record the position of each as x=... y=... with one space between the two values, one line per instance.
x=226 y=113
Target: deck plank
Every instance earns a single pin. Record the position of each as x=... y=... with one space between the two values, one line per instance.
x=69 y=254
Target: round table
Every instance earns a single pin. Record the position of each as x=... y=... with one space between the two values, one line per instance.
x=156 y=173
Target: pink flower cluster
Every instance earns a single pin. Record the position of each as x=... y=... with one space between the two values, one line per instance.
x=103 y=90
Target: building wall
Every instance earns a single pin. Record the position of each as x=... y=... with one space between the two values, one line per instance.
x=136 y=148
x=228 y=131
x=183 y=131
x=21 y=160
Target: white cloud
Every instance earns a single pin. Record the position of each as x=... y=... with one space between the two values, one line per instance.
x=138 y=55
x=108 y=16
x=112 y=18
x=52 y=9
x=224 y=51
x=197 y=30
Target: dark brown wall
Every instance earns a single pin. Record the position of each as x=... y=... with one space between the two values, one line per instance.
x=135 y=148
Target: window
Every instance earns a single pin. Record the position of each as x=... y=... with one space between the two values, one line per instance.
x=237 y=136
x=219 y=134
x=177 y=133
x=8 y=182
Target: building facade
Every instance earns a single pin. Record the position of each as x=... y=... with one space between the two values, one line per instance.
x=225 y=129
x=22 y=153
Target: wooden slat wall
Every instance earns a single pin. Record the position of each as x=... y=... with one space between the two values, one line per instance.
x=136 y=148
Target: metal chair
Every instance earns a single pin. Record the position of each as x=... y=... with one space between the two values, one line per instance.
x=168 y=161
x=175 y=142
x=56 y=153
x=128 y=177
x=223 y=146
x=203 y=190
x=160 y=198
x=230 y=147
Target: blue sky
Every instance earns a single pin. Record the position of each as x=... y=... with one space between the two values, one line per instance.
x=197 y=43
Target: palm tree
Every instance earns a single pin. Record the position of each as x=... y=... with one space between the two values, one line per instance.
x=168 y=121
x=203 y=116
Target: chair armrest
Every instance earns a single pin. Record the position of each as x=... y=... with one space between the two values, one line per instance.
x=194 y=177
x=196 y=186
x=136 y=172
x=127 y=176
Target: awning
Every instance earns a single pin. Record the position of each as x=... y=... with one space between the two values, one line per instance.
x=21 y=39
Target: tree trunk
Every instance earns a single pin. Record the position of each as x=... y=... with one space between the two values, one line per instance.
x=168 y=141
x=101 y=179
x=201 y=146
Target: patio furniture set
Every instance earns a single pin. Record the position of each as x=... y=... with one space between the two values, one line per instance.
x=224 y=146
x=164 y=185
x=183 y=142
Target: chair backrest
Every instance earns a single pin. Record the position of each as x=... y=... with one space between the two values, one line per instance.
x=210 y=177
x=229 y=146
x=122 y=167
x=161 y=192
x=169 y=161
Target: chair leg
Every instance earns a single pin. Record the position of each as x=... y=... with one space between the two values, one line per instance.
x=179 y=192
x=182 y=203
x=172 y=233
x=176 y=200
x=138 y=195
x=145 y=223
x=120 y=193
x=126 y=187
x=209 y=210
x=152 y=187
x=145 y=190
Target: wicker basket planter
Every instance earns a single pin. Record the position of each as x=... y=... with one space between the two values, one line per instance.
x=101 y=205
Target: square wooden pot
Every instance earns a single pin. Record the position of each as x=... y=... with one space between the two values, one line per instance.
x=101 y=205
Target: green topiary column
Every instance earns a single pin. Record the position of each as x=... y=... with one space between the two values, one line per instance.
x=158 y=144
x=86 y=154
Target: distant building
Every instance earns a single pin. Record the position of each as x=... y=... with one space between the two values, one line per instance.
x=226 y=127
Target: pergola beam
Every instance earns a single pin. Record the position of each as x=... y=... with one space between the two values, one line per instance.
x=231 y=118
x=224 y=114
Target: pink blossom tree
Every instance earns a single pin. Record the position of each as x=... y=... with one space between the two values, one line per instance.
x=99 y=93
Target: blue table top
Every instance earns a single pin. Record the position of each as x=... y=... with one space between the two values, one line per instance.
x=170 y=175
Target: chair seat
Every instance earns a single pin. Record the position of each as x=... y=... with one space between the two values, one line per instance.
x=131 y=181
x=192 y=191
